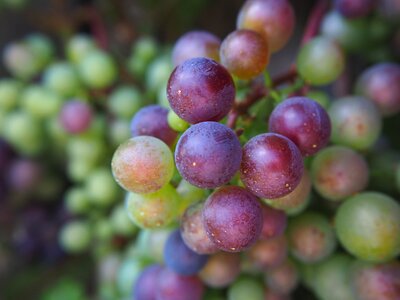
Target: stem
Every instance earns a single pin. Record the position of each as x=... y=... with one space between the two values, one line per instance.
x=314 y=21
x=98 y=28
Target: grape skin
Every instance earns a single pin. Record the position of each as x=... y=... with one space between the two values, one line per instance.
x=266 y=254
x=274 y=223
x=144 y=288
x=76 y=116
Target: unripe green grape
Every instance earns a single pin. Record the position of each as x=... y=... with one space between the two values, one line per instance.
x=10 y=91
x=125 y=101
x=162 y=98
x=97 y=69
x=78 y=46
x=320 y=61
x=41 y=102
x=75 y=236
x=42 y=48
x=177 y=123
x=246 y=288
x=20 y=61
x=88 y=149
x=62 y=78
x=103 y=230
x=101 y=188
x=129 y=270
x=120 y=222
x=153 y=210
x=189 y=194
x=119 y=131
x=143 y=51
x=77 y=200
x=56 y=133
x=319 y=96
x=79 y=169
x=157 y=73
x=150 y=243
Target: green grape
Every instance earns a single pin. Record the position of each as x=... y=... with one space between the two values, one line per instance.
x=119 y=131
x=125 y=101
x=153 y=210
x=320 y=61
x=162 y=98
x=41 y=102
x=9 y=94
x=120 y=222
x=143 y=51
x=97 y=69
x=77 y=200
x=246 y=288
x=177 y=123
x=319 y=96
x=103 y=230
x=189 y=194
x=42 y=48
x=101 y=187
x=75 y=236
x=62 y=78
x=57 y=134
x=128 y=272
x=88 y=149
x=150 y=243
x=78 y=46
x=158 y=73
x=79 y=169
x=20 y=61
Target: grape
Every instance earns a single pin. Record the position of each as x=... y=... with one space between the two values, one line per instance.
x=356 y=122
x=20 y=61
x=368 y=224
x=232 y=218
x=142 y=164
x=274 y=19
x=266 y=254
x=143 y=52
x=152 y=121
x=200 y=90
x=125 y=101
x=311 y=237
x=180 y=258
x=320 y=61
x=42 y=48
x=78 y=47
x=379 y=83
x=145 y=285
x=272 y=295
x=221 y=269
x=176 y=123
x=158 y=73
x=376 y=281
x=274 y=222
x=41 y=102
x=77 y=200
x=150 y=243
x=9 y=94
x=24 y=175
x=190 y=194
x=272 y=165
x=76 y=116
x=246 y=288
x=153 y=210
x=120 y=222
x=97 y=69
x=244 y=53
x=196 y=44
x=62 y=78
x=332 y=278
x=283 y=278
x=172 y=286
x=128 y=271
x=101 y=188
x=304 y=122
x=208 y=155
x=119 y=131
x=295 y=199
x=193 y=231
x=338 y=172
x=75 y=236
x=354 y=8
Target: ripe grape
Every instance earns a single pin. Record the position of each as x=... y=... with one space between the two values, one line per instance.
x=246 y=288
x=354 y=8
x=274 y=223
x=76 y=116
x=283 y=278
x=153 y=210
x=142 y=164
x=196 y=44
x=274 y=19
x=368 y=224
x=222 y=269
x=193 y=231
x=356 y=122
x=152 y=121
x=172 y=286
x=266 y=254
x=180 y=258
x=339 y=172
x=24 y=175
x=145 y=285
x=200 y=90
x=244 y=53
x=272 y=165
x=311 y=237
x=304 y=122
x=320 y=61
x=208 y=154
x=379 y=83
x=232 y=218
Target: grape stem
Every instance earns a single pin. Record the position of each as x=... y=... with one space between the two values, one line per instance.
x=99 y=30
x=314 y=21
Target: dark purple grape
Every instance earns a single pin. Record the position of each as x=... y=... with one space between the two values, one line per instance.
x=76 y=116
x=354 y=8
x=272 y=165
x=380 y=84
x=208 y=155
x=193 y=232
x=304 y=122
x=196 y=44
x=233 y=218
x=24 y=175
x=146 y=285
x=274 y=223
x=266 y=254
x=152 y=120
x=200 y=90
x=172 y=286
x=180 y=258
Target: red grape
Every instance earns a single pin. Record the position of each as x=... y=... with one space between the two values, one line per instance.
x=267 y=254
x=274 y=223
x=76 y=116
x=145 y=285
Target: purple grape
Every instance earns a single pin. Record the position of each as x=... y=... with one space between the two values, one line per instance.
x=283 y=278
x=272 y=166
x=274 y=223
x=172 y=286
x=208 y=155
x=145 y=285
x=193 y=232
x=355 y=8
x=76 y=116
x=233 y=218
x=267 y=254
x=304 y=122
x=200 y=90
x=180 y=258
x=24 y=175
x=152 y=120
